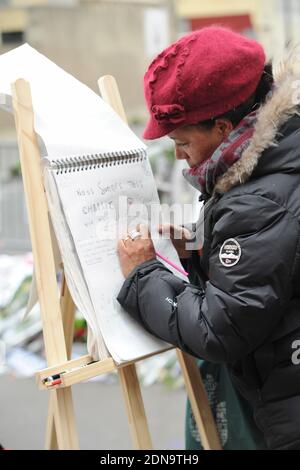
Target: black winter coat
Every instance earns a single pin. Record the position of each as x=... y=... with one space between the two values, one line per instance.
x=243 y=310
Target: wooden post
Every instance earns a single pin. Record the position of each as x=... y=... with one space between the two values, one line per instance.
x=68 y=310
x=195 y=388
x=47 y=288
x=135 y=407
x=128 y=377
x=199 y=402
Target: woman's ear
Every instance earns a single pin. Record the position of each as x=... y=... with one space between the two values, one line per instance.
x=224 y=127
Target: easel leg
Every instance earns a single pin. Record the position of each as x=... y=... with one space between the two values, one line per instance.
x=199 y=402
x=61 y=427
x=43 y=255
x=51 y=437
x=135 y=407
x=67 y=309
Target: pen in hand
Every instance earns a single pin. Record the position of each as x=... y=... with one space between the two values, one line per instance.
x=182 y=271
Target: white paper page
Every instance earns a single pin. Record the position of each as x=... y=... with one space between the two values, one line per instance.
x=75 y=278
x=69 y=117
x=72 y=120
x=90 y=199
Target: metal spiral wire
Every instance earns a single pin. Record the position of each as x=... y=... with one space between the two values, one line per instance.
x=97 y=160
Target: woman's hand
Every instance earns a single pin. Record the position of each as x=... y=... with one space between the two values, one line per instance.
x=134 y=252
x=179 y=237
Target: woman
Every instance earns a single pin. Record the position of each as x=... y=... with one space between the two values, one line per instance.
x=212 y=94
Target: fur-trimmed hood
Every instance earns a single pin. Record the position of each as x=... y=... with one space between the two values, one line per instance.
x=276 y=111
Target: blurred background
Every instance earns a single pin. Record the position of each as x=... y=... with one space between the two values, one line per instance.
x=91 y=38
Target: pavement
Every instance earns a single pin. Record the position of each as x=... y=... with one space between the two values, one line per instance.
x=100 y=415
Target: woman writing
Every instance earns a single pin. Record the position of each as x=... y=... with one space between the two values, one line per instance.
x=213 y=95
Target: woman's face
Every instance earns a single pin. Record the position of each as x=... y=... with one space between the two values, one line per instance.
x=195 y=144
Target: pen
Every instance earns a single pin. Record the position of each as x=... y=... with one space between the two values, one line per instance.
x=182 y=271
x=53 y=382
x=51 y=378
x=54 y=377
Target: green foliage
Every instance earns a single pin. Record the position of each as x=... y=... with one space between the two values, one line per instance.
x=19 y=299
x=15 y=171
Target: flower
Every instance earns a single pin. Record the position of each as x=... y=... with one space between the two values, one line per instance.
x=174 y=113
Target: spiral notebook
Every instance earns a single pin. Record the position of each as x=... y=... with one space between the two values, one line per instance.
x=93 y=158
x=91 y=198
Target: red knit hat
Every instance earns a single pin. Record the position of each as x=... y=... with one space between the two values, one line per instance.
x=200 y=76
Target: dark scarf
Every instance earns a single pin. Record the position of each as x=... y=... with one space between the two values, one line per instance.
x=204 y=176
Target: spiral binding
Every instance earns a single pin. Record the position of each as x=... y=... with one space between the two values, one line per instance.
x=97 y=160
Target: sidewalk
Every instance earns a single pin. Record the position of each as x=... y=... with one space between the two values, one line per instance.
x=100 y=415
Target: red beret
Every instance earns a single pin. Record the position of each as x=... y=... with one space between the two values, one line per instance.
x=202 y=75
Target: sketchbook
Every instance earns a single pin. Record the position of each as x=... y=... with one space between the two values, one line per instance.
x=92 y=200
x=95 y=172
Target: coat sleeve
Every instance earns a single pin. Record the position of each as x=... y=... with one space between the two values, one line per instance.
x=193 y=267
x=242 y=303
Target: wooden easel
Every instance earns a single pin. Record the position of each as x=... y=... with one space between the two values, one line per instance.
x=58 y=313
